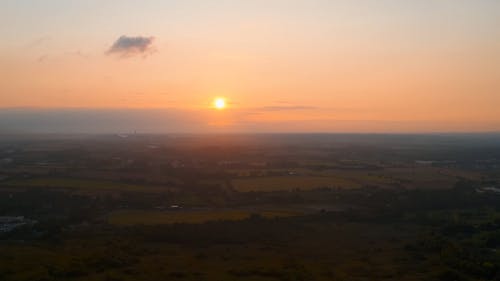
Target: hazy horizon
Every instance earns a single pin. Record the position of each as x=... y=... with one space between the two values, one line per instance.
x=164 y=121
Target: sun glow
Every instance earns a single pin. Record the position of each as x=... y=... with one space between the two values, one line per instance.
x=219 y=103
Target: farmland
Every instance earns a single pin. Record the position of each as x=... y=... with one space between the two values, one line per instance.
x=76 y=184
x=309 y=207
x=291 y=183
x=131 y=217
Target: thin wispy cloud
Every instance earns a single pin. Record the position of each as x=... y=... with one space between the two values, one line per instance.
x=127 y=46
x=286 y=108
x=38 y=41
x=42 y=58
x=79 y=54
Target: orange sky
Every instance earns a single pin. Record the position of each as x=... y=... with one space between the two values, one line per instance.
x=383 y=66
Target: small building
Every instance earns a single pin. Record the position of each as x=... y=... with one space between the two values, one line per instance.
x=488 y=189
x=9 y=223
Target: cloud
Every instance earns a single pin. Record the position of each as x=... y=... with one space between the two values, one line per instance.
x=79 y=54
x=285 y=108
x=127 y=46
x=42 y=58
x=39 y=41
x=26 y=120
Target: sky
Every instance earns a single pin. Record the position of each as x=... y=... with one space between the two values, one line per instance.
x=282 y=65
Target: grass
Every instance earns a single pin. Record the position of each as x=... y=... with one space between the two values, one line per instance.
x=409 y=177
x=328 y=252
x=81 y=184
x=291 y=183
x=139 y=217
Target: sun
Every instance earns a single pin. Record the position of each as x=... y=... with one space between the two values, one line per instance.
x=219 y=103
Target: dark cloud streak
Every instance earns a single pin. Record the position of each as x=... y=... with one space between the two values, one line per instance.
x=286 y=108
x=19 y=120
x=127 y=46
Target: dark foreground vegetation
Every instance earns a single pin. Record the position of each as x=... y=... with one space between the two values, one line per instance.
x=216 y=208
